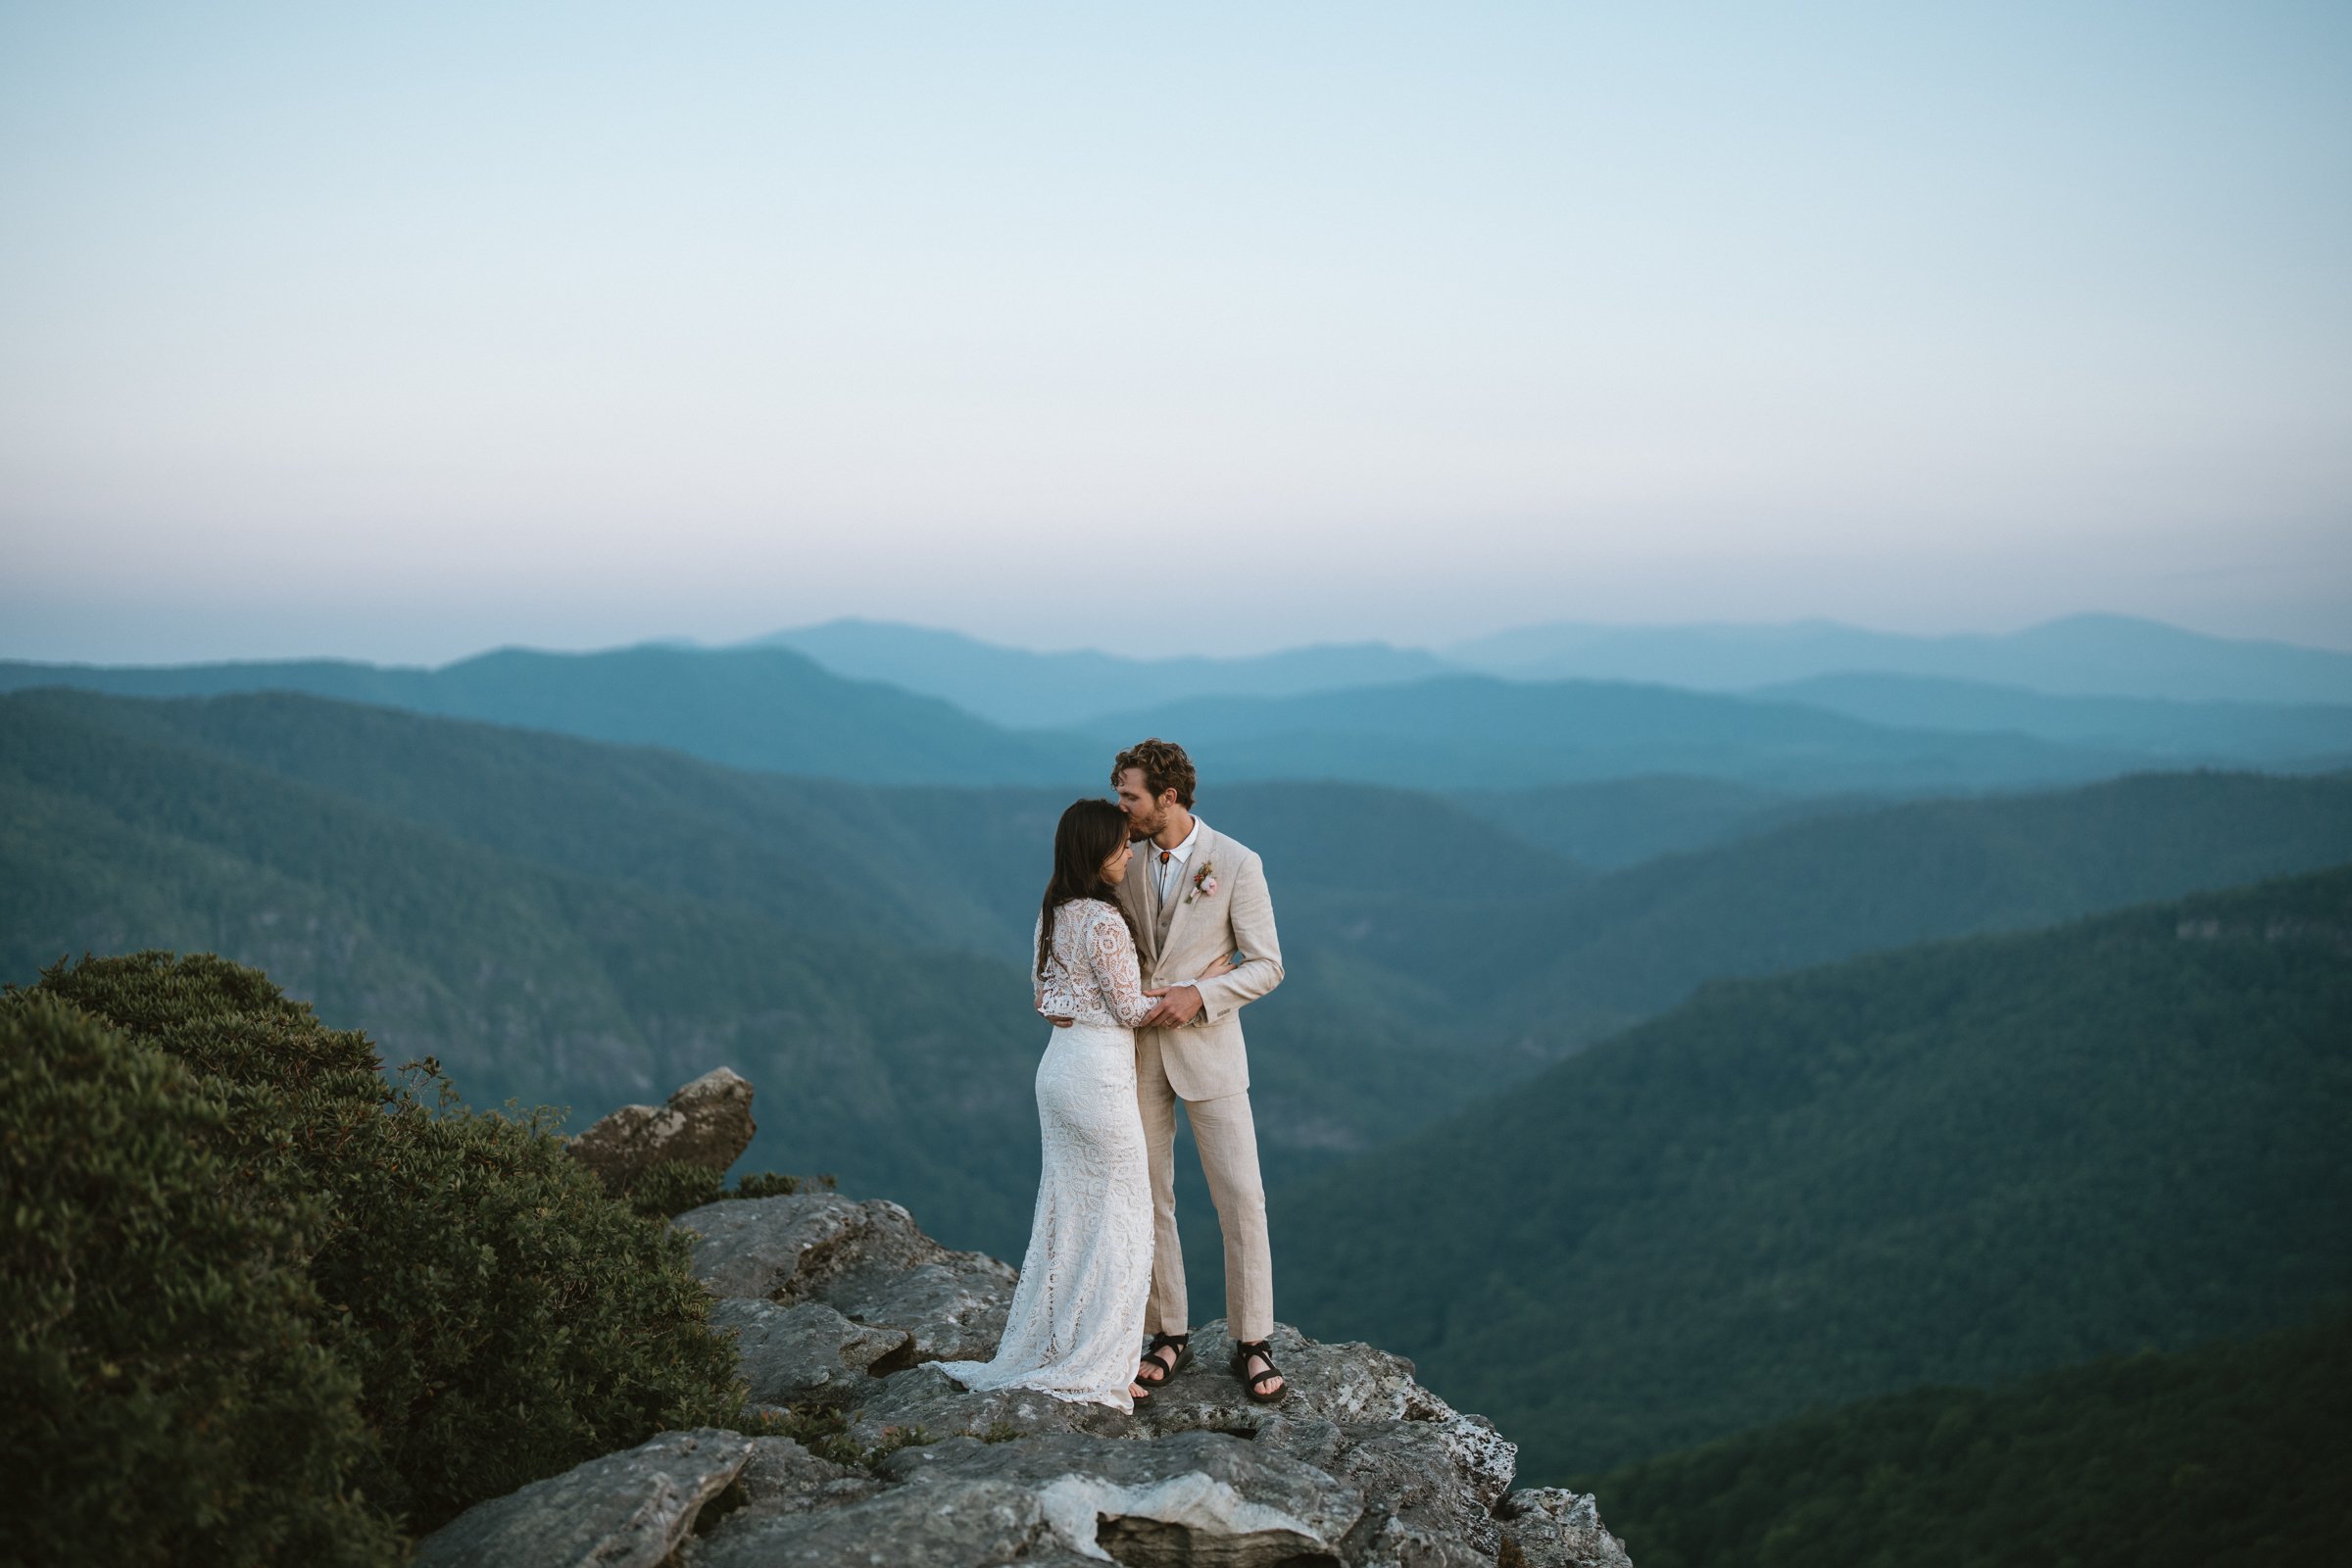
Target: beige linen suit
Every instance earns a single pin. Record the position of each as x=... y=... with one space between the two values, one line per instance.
x=1206 y=1064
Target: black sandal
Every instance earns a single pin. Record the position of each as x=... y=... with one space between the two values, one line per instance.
x=1168 y=1369
x=1254 y=1384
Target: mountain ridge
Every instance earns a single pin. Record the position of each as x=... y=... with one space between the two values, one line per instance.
x=2082 y=655
x=2295 y=736
x=767 y=708
x=1024 y=690
x=777 y=710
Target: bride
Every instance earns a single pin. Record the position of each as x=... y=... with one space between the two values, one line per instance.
x=1077 y=1313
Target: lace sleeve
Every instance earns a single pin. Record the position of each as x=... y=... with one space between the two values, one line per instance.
x=1037 y=976
x=1112 y=953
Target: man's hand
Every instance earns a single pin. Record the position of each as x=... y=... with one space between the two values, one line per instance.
x=1178 y=1006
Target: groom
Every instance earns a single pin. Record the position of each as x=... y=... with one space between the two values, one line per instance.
x=1196 y=896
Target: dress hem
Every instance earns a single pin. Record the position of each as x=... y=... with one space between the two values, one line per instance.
x=1124 y=1405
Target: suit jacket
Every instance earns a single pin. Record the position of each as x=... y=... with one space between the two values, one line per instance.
x=1207 y=1060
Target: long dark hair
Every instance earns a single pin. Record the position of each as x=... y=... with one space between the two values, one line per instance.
x=1087 y=834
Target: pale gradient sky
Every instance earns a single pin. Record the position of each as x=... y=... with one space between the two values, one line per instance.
x=403 y=332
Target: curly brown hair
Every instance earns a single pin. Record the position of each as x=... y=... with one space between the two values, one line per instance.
x=1164 y=767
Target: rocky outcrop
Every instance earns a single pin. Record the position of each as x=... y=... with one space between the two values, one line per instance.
x=843 y=1307
x=707 y=1123
x=1360 y=1466
x=1551 y=1527
x=803 y=1355
x=626 y=1510
x=867 y=1260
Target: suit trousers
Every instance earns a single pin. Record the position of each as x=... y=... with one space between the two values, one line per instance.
x=1227 y=1138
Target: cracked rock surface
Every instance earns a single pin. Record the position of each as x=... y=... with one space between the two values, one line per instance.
x=845 y=1304
x=1360 y=1466
x=630 y=1509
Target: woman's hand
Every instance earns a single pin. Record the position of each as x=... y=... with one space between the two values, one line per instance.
x=1223 y=966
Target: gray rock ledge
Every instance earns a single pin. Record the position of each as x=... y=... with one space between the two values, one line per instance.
x=625 y=1510
x=844 y=1304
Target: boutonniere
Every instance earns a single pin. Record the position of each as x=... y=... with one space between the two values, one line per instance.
x=1205 y=881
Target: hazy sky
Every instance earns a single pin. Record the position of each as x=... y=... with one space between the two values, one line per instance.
x=400 y=332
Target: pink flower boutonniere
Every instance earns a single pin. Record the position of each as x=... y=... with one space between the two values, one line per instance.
x=1205 y=882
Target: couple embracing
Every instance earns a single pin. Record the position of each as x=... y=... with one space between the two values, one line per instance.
x=1156 y=930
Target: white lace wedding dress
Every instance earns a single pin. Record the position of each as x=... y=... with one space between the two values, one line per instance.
x=1076 y=1327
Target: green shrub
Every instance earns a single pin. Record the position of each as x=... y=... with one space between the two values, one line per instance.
x=164 y=1395
x=671 y=1188
x=503 y=1320
x=767 y=1184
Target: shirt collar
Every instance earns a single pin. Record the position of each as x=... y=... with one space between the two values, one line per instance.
x=1182 y=853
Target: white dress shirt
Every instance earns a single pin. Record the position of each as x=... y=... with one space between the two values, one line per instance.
x=1168 y=874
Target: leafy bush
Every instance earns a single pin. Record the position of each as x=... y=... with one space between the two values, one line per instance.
x=166 y=1396
x=502 y=1318
x=671 y=1188
x=767 y=1184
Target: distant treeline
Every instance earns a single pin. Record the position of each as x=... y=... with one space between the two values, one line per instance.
x=2236 y=1454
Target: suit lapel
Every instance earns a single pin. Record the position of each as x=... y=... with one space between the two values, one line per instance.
x=1143 y=902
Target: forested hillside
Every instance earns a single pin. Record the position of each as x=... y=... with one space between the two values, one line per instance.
x=594 y=925
x=1586 y=959
x=1612 y=823
x=1438 y=918
x=2229 y=1455
x=1956 y=1162
x=883 y=1060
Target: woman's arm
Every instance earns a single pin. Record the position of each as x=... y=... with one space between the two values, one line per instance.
x=1037 y=979
x=1118 y=975
x=1037 y=973
x=1226 y=964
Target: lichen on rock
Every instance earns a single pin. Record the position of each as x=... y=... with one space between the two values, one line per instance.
x=708 y=1123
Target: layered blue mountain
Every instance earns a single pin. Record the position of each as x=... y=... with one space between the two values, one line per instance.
x=2113 y=656
x=777 y=710
x=768 y=708
x=1477 y=732
x=2096 y=656
x=2265 y=734
x=1024 y=690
